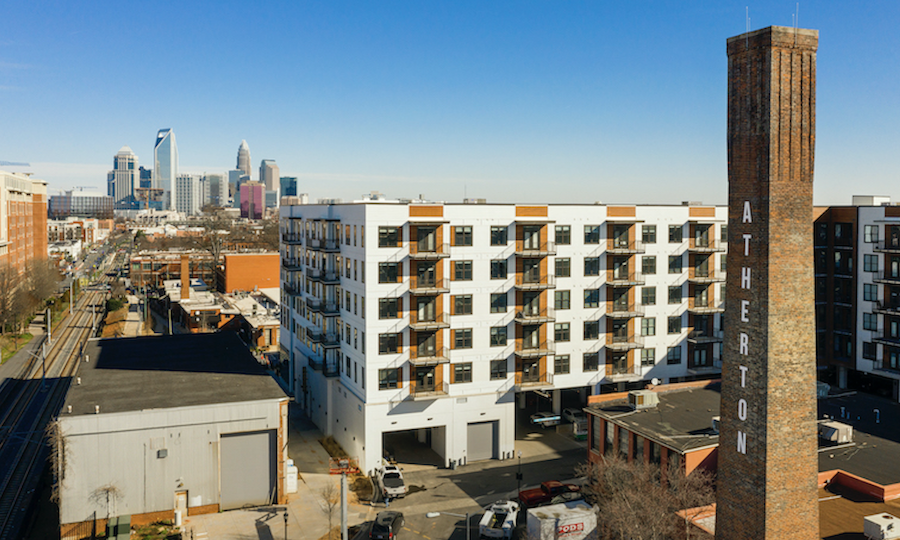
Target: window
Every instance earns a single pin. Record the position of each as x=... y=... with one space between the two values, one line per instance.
x=648 y=296
x=870 y=352
x=498 y=369
x=462 y=235
x=870 y=321
x=675 y=294
x=591 y=362
x=592 y=298
x=648 y=326
x=561 y=364
x=870 y=263
x=387 y=308
x=562 y=299
x=387 y=343
x=722 y=263
x=592 y=234
x=648 y=234
x=563 y=235
x=462 y=270
x=592 y=266
x=870 y=292
x=675 y=264
x=563 y=267
x=462 y=338
x=388 y=272
x=388 y=378
x=870 y=233
x=648 y=264
x=462 y=304
x=498 y=302
x=675 y=236
x=673 y=355
x=723 y=235
x=462 y=373
x=387 y=236
x=498 y=236
x=561 y=332
x=591 y=329
x=648 y=357
x=498 y=269
x=498 y=336
x=675 y=324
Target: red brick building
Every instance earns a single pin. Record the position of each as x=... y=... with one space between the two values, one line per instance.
x=23 y=220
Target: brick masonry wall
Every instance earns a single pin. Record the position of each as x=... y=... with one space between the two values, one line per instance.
x=243 y=272
x=769 y=490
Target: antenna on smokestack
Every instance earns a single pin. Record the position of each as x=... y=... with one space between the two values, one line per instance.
x=747 y=33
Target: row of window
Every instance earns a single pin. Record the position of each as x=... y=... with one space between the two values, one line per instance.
x=390 y=236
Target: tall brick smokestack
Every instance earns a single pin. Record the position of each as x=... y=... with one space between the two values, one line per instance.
x=768 y=463
x=185 y=276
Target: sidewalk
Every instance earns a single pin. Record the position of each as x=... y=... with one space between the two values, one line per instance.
x=12 y=368
x=306 y=520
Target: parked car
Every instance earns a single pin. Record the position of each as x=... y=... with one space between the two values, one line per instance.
x=545 y=419
x=386 y=525
x=545 y=493
x=390 y=480
x=573 y=415
x=499 y=520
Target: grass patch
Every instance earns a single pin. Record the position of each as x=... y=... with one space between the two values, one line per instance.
x=11 y=344
x=161 y=530
x=114 y=323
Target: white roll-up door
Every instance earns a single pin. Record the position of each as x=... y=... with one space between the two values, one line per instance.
x=247 y=469
x=482 y=441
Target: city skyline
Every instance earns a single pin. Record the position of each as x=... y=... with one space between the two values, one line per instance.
x=601 y=102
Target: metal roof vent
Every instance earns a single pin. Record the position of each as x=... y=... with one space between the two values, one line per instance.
x=643 y=399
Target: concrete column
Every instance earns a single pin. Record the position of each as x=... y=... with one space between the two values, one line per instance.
x=842 y=377
x=557 y=401
x=520 y=398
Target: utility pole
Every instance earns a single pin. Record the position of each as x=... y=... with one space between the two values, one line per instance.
x=49 y=326
x=344 y=506
x=71 y=294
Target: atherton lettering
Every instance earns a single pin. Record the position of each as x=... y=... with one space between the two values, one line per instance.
x=744 y=343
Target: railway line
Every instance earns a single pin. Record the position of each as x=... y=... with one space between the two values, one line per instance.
x=29 y=403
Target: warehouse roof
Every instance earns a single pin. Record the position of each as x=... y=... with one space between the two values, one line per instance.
x=155 y=372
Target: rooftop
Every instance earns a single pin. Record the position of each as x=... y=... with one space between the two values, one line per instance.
x=133 y=374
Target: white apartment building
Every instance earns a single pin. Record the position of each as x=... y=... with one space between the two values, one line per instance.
x=188 y=194
x=441 y=318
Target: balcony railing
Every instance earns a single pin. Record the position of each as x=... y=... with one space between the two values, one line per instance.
x=291 y=238
x=702 y=308
x=620 y=278
x=428 y=286
x=886 y=338
x=291 y=288
x=331 y=369
x=524 y=282
x=622 y=373
x=429 y=357
x=713 y=367
x=325 y=308
x=700 y=245
x=537 y=380
x=623 y=343
x=326 y=277
x=887 y=308
x=535 y=249
x=327 y=340
x=886 y=277
x=291 y=264
x=315 y=362
x=616 y=310
x=432 y=391
x=328 y=246
x=888 y=246
x=704 y=277
x=434 y=252
x=620 y=247
x=536 y=316
x=529 y=350
x=702 y=336
x=429 y=322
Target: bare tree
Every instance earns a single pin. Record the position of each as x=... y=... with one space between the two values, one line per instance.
x=57 y=442
x=690 y=493
x=8 y=288
x=216 y=232
x=110 y=495
x=331 y=501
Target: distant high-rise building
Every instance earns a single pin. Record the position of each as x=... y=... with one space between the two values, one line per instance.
x=23 y=221
x=288 y=186
x=187 y=194
x=252 y=200
x=124 y=177
x=76 y=204
x=215 y=190
x=146 y=177
x=234 y=183
x=243 y=158
x=165 y=166
x=268 y=175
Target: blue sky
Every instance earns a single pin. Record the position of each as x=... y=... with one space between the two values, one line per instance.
x=529 y=101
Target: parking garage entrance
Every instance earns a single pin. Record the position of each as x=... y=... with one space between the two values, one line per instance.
x=424 y=446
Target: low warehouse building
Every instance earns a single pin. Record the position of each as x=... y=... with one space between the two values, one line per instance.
x=154 y=425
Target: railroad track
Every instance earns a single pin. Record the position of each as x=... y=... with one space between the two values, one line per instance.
x=28 y=405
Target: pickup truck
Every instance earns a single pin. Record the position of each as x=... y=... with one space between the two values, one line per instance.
x=543 y=494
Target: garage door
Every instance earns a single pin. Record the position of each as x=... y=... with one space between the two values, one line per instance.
x=247 y=469
x=482 y=441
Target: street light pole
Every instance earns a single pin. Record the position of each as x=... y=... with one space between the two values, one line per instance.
x=285 y=523
x=519 y=476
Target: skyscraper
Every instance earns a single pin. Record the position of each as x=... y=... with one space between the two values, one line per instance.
x=123 y=178
x=252 y=200
x=188 y=194
x=243 y=158
x=165 y=166
x=268 y=175
x=288 y=186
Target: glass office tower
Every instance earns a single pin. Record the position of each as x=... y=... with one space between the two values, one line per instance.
x=165 y=166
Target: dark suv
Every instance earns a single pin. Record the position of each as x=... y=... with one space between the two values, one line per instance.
x=386 y=526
